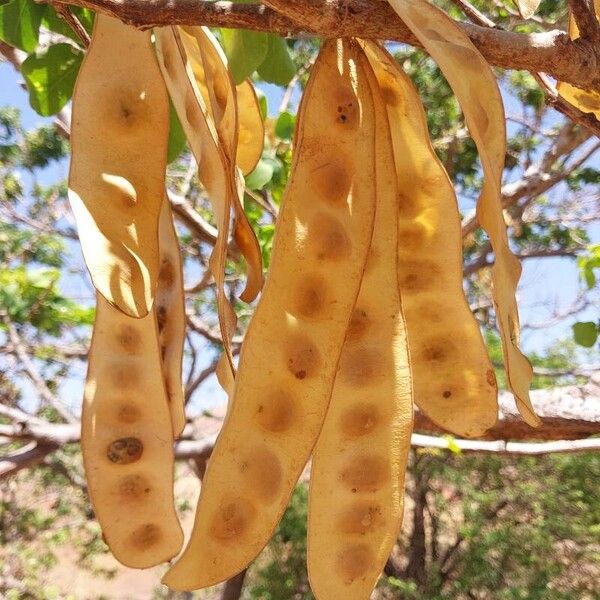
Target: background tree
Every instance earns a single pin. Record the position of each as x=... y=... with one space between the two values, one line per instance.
x=482 y=520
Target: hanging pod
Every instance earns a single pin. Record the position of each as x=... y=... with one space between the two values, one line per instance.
x=127 y=439
x=292 y=346
x=474 y=84
x=119 y=138
x=209 y=66
x=453 y=379
x=170 y=316
x=216 y=172
x=359 y=463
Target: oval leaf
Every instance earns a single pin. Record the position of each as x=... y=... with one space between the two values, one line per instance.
x=50 y=77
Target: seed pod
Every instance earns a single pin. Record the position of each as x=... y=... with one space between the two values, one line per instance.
x=292 y=346
x=585 y=101
x=359 y=462
x=170 y=316
x=453 y=379
x=208 y=59
x=476 y=89
x=127 y=441
x=119 y=138
x=215 y=171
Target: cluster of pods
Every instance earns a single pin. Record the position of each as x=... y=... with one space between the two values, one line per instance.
x=362 y=315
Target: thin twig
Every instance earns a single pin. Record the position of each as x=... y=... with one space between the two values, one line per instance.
x=67 y=15
x=474 y=14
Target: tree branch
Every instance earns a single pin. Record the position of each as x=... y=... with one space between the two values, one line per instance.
x=585 y=17
x=552 y=52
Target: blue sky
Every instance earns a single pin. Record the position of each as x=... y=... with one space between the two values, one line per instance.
x=552 y=282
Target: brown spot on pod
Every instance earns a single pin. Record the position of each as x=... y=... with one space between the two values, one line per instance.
x=327 y=238
x=166 y=275
x=363 y=366
x=360 y=518
x=354 y=561
x=365 y=473
x=145 y=536
x=261 y=471
x=347 y=110
x=359 y=325
x=332 y=181
x=134 y=487
x=129 y=339
x=232 y=519
x=128 y=413
x=416 y=276
x=125 y=450
x=359 y=420
x=310 y=298
x=303 y=360
x=276 y=412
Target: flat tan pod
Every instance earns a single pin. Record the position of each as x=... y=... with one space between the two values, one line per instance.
x=170 y=316
x=127 y=440
x=585 y=101
x=476 y=89
x=119 y=138
x=359 y=463
x=453 y=379
x=215 y=83
x=213 y=168
x=251 y=136
x=211 y=65
x=292 y=346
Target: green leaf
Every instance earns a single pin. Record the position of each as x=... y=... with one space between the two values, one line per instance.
x=278 y=66
x=585 y=333
x=20 y=22
x=284 y=127
x=245 y=50
x=50 y=77
x=261 y=175
x=176 y=135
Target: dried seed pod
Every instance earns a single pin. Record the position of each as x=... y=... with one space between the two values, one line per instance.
x=223 y=102
x=119 y=140
x=290 y=353
x=209 y=66
x=170 y=316
x=359 y=462
x=453 y=378
x=585 y=101
x=476 y=88
x=127 y=440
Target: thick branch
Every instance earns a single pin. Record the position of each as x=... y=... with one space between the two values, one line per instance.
x=552 y=52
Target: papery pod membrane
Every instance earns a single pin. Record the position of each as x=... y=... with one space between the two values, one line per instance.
x=170 y=316
x=127 y=440
x=119 y=137
x=209 y=66
x=250 y=127
x=477 y=91
x=359 y=463
x=585 y=101
x=453 y=378
x=281 y=394
x=527 y=8
x=213 y=167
